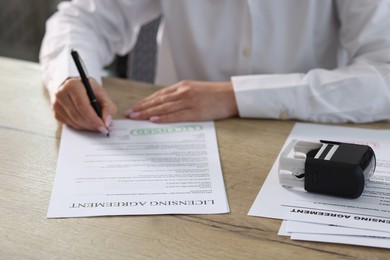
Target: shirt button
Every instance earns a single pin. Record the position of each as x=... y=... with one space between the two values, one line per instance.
x=246 y=52
x=283 y=115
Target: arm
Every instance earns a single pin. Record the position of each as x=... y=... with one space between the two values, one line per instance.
x=358 y=92
x=97 y=30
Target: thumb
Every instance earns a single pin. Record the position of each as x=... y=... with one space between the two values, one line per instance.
x=108 y=109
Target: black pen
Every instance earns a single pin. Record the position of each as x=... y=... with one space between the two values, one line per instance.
x=92 y=98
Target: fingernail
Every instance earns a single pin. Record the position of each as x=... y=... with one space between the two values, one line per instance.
x=154 y=118
x=108 y=121
x=135 y=114
x=128 y=112
x=103 y=130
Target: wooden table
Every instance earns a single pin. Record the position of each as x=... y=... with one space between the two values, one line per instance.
x=29 y=142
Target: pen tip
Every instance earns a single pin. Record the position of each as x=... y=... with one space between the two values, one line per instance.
x=108 y=134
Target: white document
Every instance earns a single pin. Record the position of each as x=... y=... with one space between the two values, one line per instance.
x=369 y=223
x=142 y=168
x=370 y=211
x=315 y=228
x=344 y=239
x=298 y=230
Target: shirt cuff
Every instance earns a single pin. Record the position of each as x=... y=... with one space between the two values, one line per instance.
x=277 y=96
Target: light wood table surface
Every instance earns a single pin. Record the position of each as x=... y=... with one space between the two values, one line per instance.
x=29 y=143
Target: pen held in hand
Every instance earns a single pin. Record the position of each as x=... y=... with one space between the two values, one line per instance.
x=91 y=95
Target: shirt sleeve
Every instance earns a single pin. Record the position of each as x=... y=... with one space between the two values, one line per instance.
x=97 y=29
x=358 y=92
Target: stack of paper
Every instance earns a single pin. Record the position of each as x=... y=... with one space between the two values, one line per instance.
x=315 y=217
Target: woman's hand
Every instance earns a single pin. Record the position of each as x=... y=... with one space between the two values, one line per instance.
x=187 y=101
x=72 y=106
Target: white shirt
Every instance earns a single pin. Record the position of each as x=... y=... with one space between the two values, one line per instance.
x=316 y=60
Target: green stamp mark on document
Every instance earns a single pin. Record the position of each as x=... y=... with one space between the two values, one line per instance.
x=166 y=130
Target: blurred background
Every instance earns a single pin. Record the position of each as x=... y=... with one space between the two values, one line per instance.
x=22 y=26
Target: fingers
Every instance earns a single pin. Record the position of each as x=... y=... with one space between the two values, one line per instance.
x=167 y=94
x=160 y=104
x=72 y=106
x=61 y=115
x=186 y=115
x=162 y=92
x=162 y=109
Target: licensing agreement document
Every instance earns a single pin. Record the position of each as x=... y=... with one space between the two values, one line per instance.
x=142 y=168
x=316 y=217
